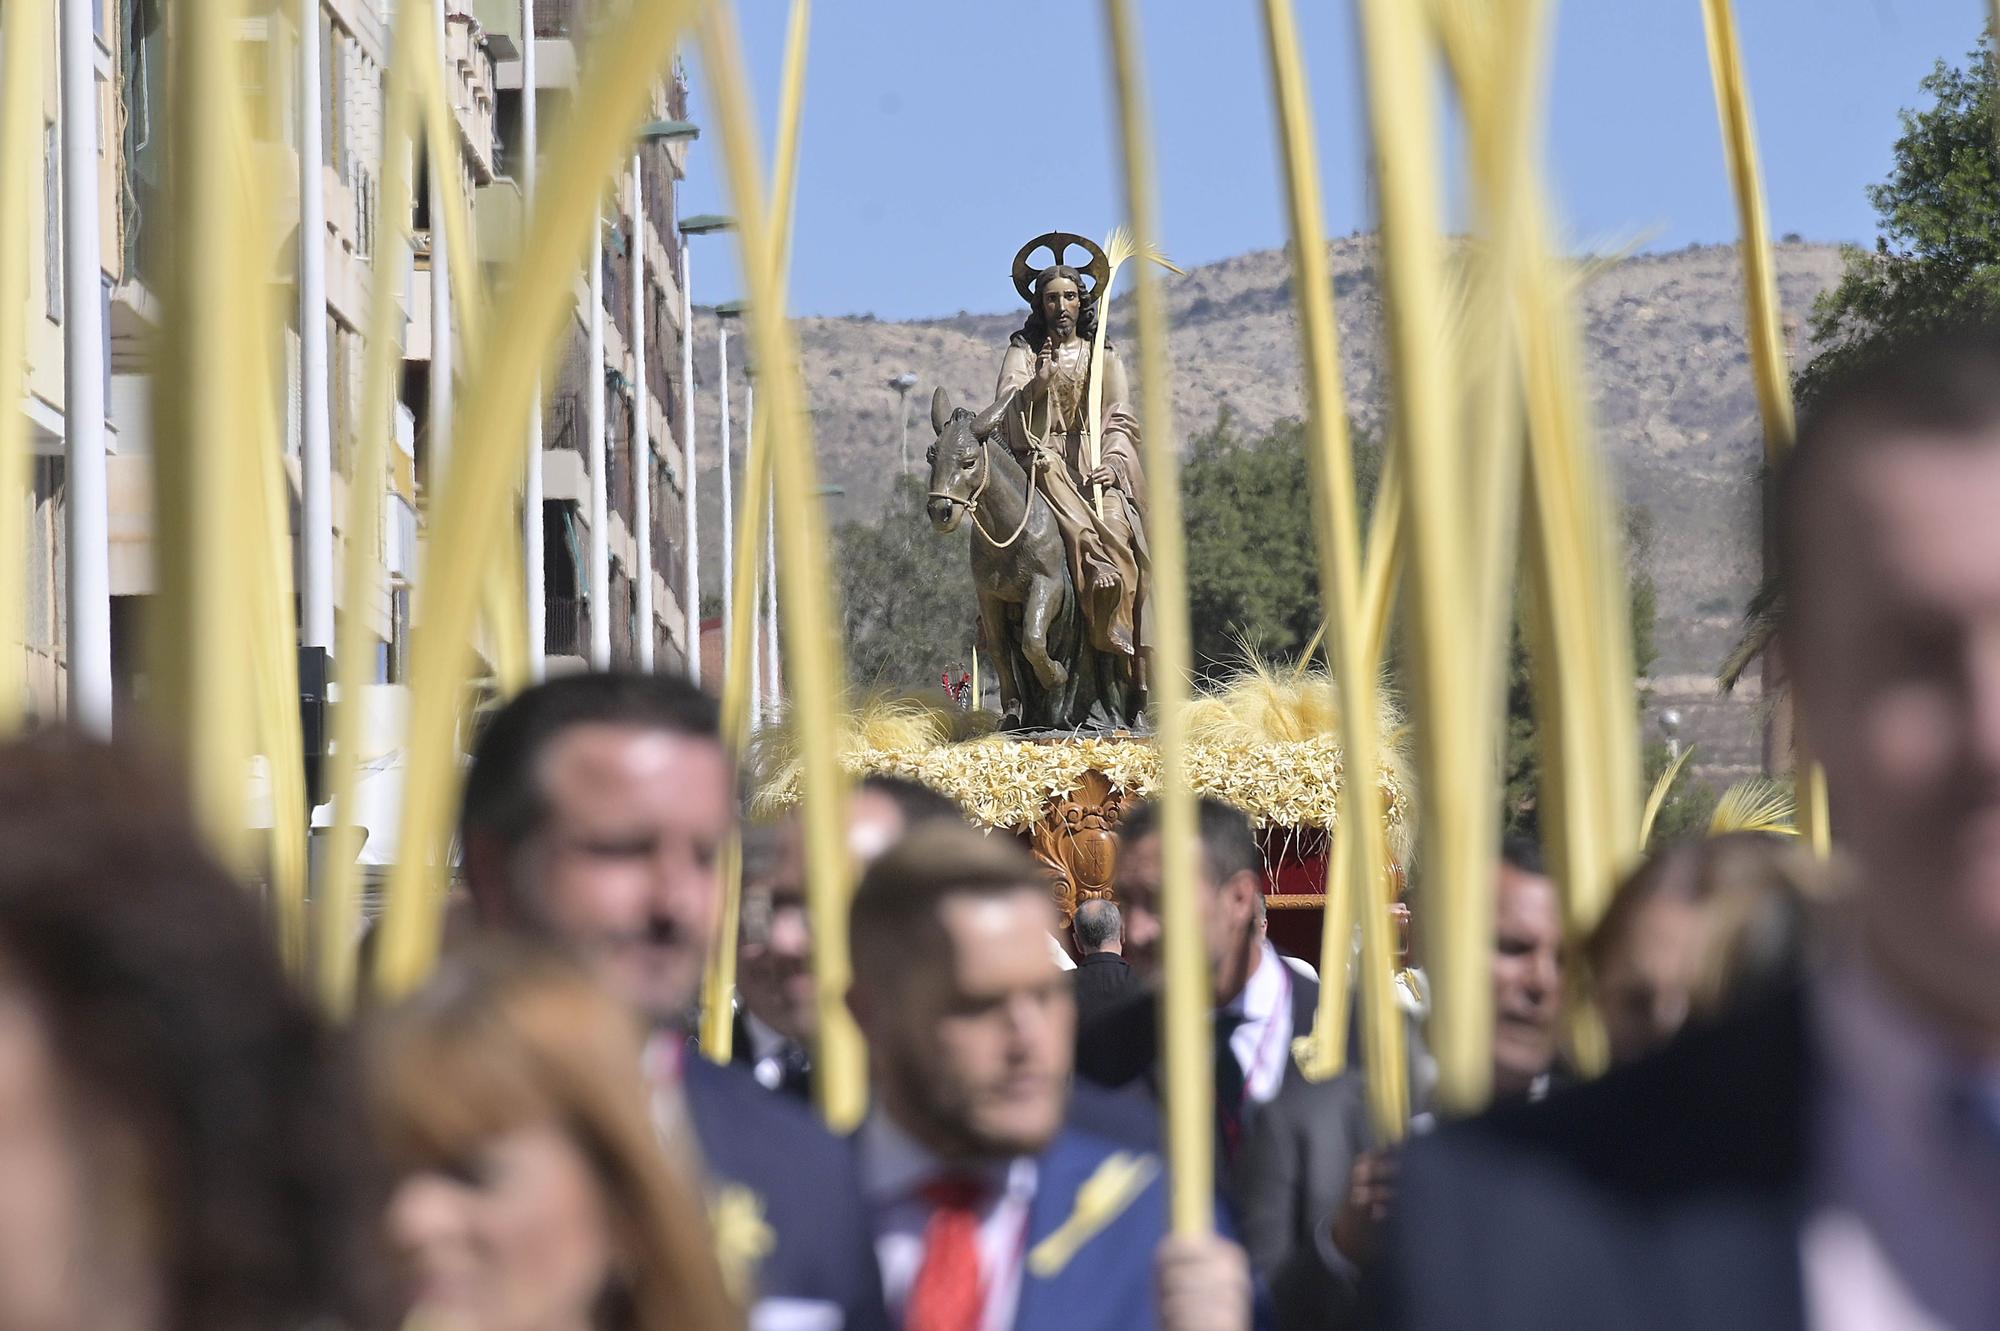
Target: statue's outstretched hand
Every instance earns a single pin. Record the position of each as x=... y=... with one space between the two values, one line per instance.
x=1045 y=369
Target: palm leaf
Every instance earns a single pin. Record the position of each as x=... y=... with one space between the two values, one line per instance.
x=1118 y=247
x=1756 y=805
x=1658 y=797
x=1760 y=626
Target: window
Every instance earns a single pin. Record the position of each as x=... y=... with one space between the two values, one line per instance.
x=398 y=671
x=52 y=264
x=250 y=59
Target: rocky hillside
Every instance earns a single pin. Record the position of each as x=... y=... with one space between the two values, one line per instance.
x=1664 y=336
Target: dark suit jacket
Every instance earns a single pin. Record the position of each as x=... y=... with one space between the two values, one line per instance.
x=1120 y=1049
x=1101 y=979
x=1121 y=1045
x=1665 y=1195
x=804 y=1178
x=796 y=1081
x=1290 y=1180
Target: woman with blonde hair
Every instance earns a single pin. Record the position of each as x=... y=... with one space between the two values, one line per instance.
x=1699 y=929
x=531 y=1191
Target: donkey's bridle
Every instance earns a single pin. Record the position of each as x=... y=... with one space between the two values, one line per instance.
x=971 y=503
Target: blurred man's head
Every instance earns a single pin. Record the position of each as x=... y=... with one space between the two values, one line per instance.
x=1098 y=927
x=596 y=811
x=774 y=949
x=1527 y=970
x=1230 y=870
x=1697 y=930
x=774 y=961
x=969 y=1022
x=1888 y=536
x=884 y=807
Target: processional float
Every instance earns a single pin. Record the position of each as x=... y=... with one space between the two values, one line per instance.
x=1492 y=466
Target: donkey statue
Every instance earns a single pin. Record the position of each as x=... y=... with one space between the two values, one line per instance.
x=1051 y=678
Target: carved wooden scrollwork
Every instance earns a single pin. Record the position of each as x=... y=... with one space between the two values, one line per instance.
x=1077 y=842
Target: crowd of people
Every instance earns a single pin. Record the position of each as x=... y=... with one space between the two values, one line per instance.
x=1801 y=1127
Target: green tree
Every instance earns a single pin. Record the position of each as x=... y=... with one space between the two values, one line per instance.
x=1253 y=567
x=906 y=595
x=1253 y=580
x=1936 y=261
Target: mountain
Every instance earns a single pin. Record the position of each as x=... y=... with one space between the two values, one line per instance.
x=1665 y=347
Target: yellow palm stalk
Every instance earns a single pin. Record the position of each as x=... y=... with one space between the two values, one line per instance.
x=635 y=45
x=1579 y=631
x=810 y=631
x=198 y=635
x=1766 y=333
x=338 y=918
x=1357 y=876
x=718 y=1030
x=1454 y=754
x=1118 y=247
x=263 y=523
x=1185 y=1029
x=26 y=42
x=504 y=589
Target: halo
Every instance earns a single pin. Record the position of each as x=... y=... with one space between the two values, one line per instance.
x=1059 y=244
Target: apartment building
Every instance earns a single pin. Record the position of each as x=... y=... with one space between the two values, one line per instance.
x=633 y=382
x=483 y=80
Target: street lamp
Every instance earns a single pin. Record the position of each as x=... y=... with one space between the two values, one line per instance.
x=729 y=309
x=1670 y=726
x=702 y=224
x=903 y=383
x=660 y=131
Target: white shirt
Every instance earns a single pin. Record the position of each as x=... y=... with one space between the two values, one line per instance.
x=1262 y=1041
x=767 y=1051
x=893 y=1168
x=1903 y=1222
x=1062 y=957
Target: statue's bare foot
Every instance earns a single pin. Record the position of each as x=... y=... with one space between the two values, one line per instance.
x=1103 y=577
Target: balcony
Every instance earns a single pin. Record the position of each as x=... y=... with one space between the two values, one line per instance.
x=563 y=426
x=566 y=626
x=556 y=18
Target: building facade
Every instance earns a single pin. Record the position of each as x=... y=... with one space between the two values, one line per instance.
x=483 y=45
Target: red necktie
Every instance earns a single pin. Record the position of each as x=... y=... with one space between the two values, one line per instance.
x=948 y=1294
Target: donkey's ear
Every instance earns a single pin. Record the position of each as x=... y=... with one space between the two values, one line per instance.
x=940 y=409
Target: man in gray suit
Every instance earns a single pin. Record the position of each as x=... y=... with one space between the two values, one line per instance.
x=1311 y=1185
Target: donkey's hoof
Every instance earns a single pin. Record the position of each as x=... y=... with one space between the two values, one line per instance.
x=1053 y=674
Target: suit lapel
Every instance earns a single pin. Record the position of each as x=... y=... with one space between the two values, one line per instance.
x=1053 y=1301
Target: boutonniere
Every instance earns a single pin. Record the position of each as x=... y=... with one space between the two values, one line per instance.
x=743 y=1239
x=1101 y=1199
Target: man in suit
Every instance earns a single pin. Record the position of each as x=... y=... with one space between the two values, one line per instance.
x=1102 y=976
x=1312 y=1185
x=594 y=816
x=988 y=1209
x=1260 y=1004
x=777 y=1018
x=777 y=1012
x=1830 y=1159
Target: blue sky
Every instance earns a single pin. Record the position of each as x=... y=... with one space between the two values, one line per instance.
x=940 y=134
